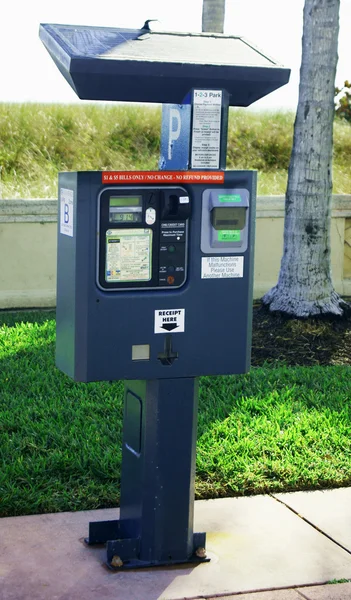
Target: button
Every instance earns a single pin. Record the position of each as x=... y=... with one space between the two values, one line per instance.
x=170 y=279
x=171 y=248
x=171 y=269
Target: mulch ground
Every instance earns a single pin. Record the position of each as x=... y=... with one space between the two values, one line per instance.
x=322 y=341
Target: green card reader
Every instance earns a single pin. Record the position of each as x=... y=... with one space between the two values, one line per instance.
x=224 y=221
x=142 y=238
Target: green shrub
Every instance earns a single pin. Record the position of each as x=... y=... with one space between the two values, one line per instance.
x=343 y=105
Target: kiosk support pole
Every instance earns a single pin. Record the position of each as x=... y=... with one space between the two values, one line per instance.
x=158 y=475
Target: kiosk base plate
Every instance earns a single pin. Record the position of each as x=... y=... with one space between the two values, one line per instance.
x=123 y=553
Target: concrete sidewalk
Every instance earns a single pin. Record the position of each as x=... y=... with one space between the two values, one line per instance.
x=340 y=591
x=259 y=548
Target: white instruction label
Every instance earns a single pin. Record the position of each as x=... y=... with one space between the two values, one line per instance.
x=222 y=267
x=206 y=131
x=66 y=212
x=169 y=320
x=128 y=254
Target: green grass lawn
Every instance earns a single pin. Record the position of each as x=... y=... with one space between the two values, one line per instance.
x=277 y=428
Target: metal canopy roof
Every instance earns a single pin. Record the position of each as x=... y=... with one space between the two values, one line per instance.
x=138 y=65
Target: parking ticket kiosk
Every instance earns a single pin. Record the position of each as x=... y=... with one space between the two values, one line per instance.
x=155 y=268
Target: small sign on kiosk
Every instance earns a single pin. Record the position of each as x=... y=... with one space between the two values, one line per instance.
x=206 y=129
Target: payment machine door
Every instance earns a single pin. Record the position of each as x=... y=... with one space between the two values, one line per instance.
x=143 y=238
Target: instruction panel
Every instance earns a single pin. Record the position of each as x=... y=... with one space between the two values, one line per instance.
x=206 y=130
x=128 y=254
x=222 y=267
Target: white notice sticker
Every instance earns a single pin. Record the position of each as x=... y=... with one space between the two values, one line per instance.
x=169 y=320
x=66 y=212
x=206 y=129
x=222 y=267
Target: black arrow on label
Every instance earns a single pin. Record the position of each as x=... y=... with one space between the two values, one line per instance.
x=169 y=326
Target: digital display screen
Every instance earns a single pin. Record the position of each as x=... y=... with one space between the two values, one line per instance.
x=128 y=255
x=125 y=209
x=228 y=218
x=125 y=201
x=125 y=217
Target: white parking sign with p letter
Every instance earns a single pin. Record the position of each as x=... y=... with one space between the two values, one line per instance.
x=66 y=212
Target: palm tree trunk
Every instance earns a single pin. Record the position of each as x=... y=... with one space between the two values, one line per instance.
x=213 y=15
x=305 y=286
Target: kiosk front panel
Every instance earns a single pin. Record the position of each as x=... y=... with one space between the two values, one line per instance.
x=154 y=281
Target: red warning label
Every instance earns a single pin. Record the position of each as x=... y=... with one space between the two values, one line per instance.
x=162 y=177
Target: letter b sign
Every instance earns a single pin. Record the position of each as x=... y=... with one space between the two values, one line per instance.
x=66 y=212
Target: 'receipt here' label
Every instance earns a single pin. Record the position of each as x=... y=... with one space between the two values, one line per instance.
x=169 y=320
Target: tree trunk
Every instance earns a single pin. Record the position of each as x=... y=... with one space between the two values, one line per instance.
x=213 y=15
x=305 y=286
